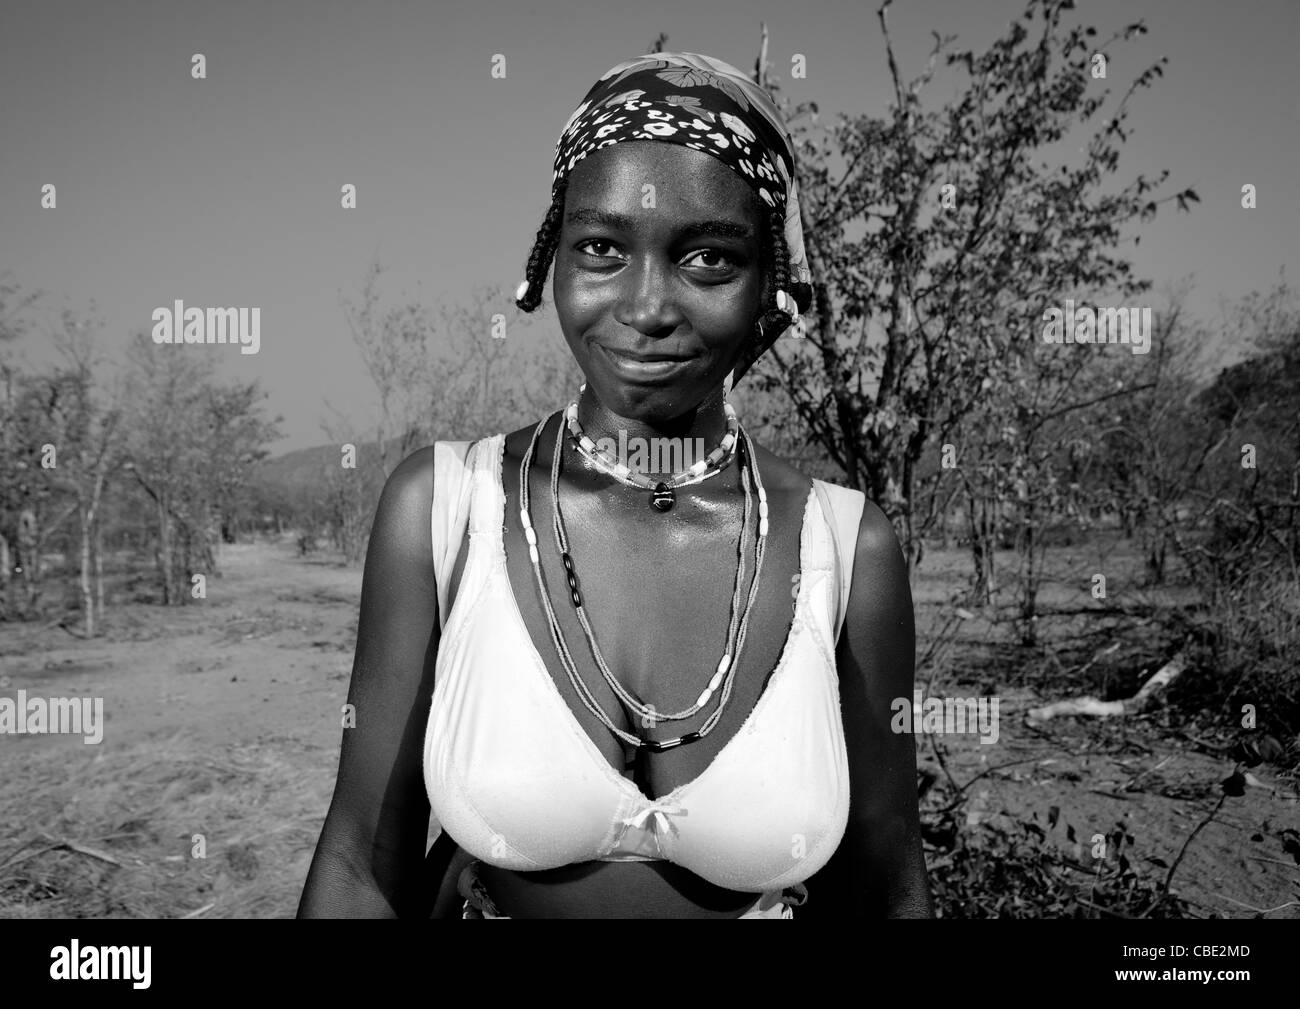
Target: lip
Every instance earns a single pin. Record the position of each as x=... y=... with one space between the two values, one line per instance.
x=643 y=367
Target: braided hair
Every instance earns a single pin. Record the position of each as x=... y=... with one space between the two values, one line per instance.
x=774 y=321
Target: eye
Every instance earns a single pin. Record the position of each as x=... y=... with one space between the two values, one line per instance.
x=722 y=260
x=595 y=241
x=727 y=260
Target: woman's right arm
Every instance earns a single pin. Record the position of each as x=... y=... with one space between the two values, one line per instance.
x=370 y=859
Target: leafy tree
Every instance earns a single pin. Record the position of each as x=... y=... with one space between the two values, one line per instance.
x=966 y=239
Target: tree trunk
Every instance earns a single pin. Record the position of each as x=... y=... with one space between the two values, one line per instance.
x=99 y=570
x=981 y=561
x=1029 y=583
x=86 y=519
x=163 y=554
x=29 y=556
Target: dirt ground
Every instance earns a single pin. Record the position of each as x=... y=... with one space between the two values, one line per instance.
x=220 y=748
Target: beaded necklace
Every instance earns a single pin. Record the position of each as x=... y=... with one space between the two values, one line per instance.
x=664 y=494
x=723 y=675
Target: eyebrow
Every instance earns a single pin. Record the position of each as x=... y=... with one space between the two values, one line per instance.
x=694 y=229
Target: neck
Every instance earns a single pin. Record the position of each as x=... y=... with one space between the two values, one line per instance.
x=699 y=429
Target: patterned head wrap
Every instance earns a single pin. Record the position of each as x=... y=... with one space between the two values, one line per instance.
x=703 y=103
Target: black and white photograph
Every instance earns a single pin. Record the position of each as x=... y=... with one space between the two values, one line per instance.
x=829 y=461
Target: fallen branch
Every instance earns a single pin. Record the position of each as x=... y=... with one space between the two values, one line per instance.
x=1166 y=675
x=81 y=849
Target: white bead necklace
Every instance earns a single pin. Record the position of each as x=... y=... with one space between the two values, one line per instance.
x=723 y=675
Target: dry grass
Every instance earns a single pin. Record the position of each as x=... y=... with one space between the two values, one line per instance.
x=109 y=833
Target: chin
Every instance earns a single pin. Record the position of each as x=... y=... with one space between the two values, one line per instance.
x=652 y=404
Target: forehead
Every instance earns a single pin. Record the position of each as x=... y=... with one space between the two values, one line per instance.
x=686 y=181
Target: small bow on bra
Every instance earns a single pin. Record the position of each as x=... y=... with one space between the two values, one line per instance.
x=656 y=816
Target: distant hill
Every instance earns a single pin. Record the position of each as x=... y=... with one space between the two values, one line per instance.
x=304 y=470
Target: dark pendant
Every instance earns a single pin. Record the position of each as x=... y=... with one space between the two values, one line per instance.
x=669 y=744
x=664 y=497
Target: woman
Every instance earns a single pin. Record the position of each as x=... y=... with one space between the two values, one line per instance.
x=628 y=720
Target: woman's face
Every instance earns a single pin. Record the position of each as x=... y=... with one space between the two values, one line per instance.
x=657 y=289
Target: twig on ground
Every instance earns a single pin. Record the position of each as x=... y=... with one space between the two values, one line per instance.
x=81 y=849
x=1215 y=747
x=1128 y=785
x=1164 y=676
x=943 y=764
x=987 y=771
x=10 y=863
x=1100 y=655
x=1164 y=890
x=1260 y=910
x=14 y=854
x=1276 y=861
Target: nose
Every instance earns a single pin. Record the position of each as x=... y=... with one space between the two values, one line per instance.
x=646 y=301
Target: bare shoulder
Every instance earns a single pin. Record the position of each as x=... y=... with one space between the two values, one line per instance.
x=402 y=517
x=879 y=625
x=878 y=547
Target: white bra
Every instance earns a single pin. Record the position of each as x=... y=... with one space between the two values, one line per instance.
x=514 y=778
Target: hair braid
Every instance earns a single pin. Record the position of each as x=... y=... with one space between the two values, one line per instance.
x=544 y=246
x=778 y=275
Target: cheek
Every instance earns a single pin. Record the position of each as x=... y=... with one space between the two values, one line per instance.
x=577 y=302
x=726 y=315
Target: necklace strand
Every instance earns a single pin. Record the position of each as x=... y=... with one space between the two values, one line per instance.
x=724 y=675
x=644 y=711
x=712 y=464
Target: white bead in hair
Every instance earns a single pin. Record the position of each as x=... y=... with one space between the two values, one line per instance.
x=521 y=290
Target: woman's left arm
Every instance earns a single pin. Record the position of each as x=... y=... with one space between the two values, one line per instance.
x=881 y=871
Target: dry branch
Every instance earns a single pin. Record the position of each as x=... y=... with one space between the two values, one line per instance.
x=82 y=849
x=1166 y=675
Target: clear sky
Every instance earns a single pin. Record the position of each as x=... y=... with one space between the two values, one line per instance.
x=225 y=191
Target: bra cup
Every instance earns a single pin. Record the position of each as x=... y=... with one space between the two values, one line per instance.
x=785 y=780
x=497 y=769
x=504 y=775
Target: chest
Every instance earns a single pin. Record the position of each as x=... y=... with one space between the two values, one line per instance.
x=663 y=604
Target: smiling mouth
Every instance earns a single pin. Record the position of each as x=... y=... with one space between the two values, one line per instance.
x=643 y=366
x=651 y=358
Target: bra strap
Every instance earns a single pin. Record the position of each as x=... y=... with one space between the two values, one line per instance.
x=843 y=507
x=450 y=514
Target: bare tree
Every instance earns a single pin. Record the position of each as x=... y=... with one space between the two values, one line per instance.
x=394 y=347
x=189 y=441
x=90 y=453
x=966 y=241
